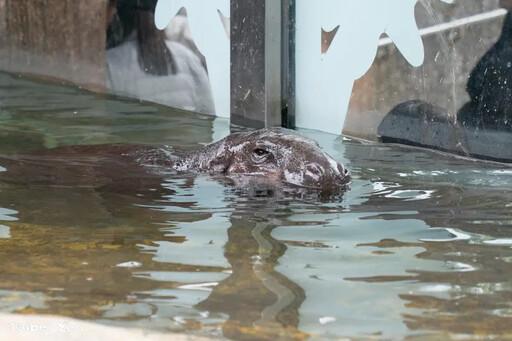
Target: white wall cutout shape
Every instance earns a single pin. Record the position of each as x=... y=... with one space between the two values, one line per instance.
x=210 y=37
x=324 y=84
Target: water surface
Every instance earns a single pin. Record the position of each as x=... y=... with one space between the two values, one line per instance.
x=419 y=247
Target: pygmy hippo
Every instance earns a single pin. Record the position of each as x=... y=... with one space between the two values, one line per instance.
x=278 y=154
x=273 y=157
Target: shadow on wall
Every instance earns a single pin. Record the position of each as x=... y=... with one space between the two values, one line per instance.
x=159 y=66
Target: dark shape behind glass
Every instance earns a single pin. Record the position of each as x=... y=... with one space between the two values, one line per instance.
x=154 y=65
x=489 y=86
x=488 y=112
x=137 y=16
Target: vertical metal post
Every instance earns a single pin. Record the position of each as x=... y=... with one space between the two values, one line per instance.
x=288 y=64
x=256 y=63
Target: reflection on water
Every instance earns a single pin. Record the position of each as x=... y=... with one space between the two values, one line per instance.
x=420 y=245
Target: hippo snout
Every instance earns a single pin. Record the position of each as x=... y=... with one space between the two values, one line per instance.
x=331 y=175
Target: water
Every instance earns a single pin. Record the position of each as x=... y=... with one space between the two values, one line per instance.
x=420 y=247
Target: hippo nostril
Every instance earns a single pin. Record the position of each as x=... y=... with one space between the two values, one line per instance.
x=341 y=169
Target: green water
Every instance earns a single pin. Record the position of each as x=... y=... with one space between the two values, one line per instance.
x=420 y=247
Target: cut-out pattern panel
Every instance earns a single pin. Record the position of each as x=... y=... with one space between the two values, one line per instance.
x=325 y=76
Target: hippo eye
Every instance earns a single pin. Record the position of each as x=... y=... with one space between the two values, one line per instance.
x=260 y=155
x=260 y=152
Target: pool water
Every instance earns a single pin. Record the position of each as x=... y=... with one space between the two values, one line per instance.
x=420 y=247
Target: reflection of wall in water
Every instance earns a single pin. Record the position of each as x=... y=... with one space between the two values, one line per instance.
x=449 y=58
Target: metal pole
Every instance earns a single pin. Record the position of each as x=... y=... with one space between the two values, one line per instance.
x=288 y=64
x=256 y=75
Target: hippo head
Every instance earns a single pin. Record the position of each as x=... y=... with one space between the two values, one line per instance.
x=273 y=154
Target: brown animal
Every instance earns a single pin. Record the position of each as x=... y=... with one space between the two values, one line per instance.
x=268 y=157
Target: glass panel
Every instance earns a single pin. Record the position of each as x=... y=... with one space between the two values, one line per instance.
x=174 y=63
x=114 y=46
x=429 y=73
x=209 y=25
